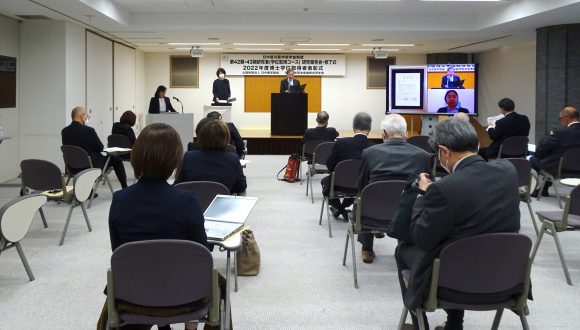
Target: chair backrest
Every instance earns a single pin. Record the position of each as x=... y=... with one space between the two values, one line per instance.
x=514 y=146
x=346 y=173
x=485 y=264
x=524 y=170
x=321 y=152
x=205 y=191
x=571 y=160
x=119 y=141
x=421 y=141
x=231 y=148
x=76 y=157
x=17 y=215
x=40 y=175
x=162 y=273
x=380 y=200
x=575 y=201
x=84 y=182
x=310 y=145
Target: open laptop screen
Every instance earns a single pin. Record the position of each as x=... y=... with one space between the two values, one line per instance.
x=230 y=208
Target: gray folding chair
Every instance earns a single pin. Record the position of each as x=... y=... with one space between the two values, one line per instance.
x=83 y=183
x=568 y=167
x=524 y=170
x=496 y=265
x=378 y=202
x=344 y=177
x=43 y=177
x=162 y=274
x=205 y=191
x=560 y=221
x=15 y=219
x=514 y=147
x=119 y=141
x=307 y=151
x=318 y=165
x=421 y=141
x=77 y=158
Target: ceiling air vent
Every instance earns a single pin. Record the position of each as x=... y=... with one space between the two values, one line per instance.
x=33 y=17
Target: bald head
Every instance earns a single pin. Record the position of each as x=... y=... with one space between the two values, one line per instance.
x=569 y=115
x=79 y=114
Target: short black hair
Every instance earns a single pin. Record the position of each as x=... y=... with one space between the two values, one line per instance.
x=220 y=70
x=214 y=115
x=160 y=89
x=289 y=70
x=362 y=121
x=506 y=104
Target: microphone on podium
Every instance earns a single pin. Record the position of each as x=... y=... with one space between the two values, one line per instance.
x=176 y=99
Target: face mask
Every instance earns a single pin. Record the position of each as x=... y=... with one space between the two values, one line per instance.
x=221 y=76
x=445 y=167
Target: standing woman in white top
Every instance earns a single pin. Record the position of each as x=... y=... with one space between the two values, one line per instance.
x=160 y=103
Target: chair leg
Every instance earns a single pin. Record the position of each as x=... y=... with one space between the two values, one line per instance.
x=497 y=319
x=524 y=321
x=86 y=216
x=421 y=319
x=307 y=180
x=561 y=254
x=346 y=247
x=328 y=220
x=72 y=205
x=95 y=186
x=403 y=318
x=24 y=261
x=544 y=179
x=321 y=210
x=311 y=191
x=538 y=240
x=555 y=185
x=109 y=183
x=352 y=248
x=533 y=218
x=235 y=272
x=43 y=217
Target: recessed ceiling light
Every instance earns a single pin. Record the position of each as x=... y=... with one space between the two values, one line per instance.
x=461 y=0
x=256 y=44
x=370 y=50
x=317 y=49
x=388 y=45
x=260 y=49
x=324 y=45
x=193 y=43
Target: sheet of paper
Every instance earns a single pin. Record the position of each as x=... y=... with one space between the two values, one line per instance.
x=408 y=89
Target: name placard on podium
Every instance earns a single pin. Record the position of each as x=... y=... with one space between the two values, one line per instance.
x=224 y=110
x=289 y=114
x=182 y=123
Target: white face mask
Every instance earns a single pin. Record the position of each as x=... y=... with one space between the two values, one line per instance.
x=445 y=167
x=221 y=76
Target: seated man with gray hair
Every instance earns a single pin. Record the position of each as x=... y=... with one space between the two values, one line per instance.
x=477 y=197
x=343 y=149
x=395 y=159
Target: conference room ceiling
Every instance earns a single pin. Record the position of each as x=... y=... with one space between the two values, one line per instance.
x=286 y=25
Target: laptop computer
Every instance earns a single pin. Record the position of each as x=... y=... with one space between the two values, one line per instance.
x=226 y=215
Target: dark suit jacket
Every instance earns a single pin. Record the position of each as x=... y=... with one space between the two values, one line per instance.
x=77 y=134
x=445 y=83
x=347 y=148
x=217 y=166
x=221 y=89
x=513 y=124
x=153 y=209
x=479 y=197
x=236 y=139
x=154 y=105
x=553 y=146
x=124 y=129
x=444 y=110
x=295 y=86
x=393 y=160
x=320 y=133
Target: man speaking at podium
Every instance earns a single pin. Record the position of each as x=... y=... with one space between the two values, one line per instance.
x=290 y=85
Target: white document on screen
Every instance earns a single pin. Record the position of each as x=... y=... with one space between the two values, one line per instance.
x=408 y=89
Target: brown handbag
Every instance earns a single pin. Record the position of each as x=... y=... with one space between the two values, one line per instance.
x=248 y=258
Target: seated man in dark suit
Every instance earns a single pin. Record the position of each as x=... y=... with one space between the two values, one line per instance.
x=80 y=135
x=513 y=124
x=477 y=197
x=343 y=149
x=395 y=159
x=321 y=132
x=235 y=137
x=553 y=145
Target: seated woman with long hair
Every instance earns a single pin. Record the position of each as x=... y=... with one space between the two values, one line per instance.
x=213 y=162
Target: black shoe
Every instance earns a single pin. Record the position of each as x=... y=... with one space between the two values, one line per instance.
x=345 y=215
x=535 y=193
x=380 y=235
x=334 y=211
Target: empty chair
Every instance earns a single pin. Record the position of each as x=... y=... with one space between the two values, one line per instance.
x=378 y=202
x=569 y=167
x=119 y=141
x=524 y=170
x=480 y=273
x=318 y=165
x=343 y=184
x=83 y=183
x=43 y=177
x=161 y=274
x=560 y=221
x=514 y=147
x=421 y=141
x=205 y=191
x=15 y=219
x=76 y=158
x=307 y=151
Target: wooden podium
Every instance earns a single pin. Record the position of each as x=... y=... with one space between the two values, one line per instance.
x=289 y=114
